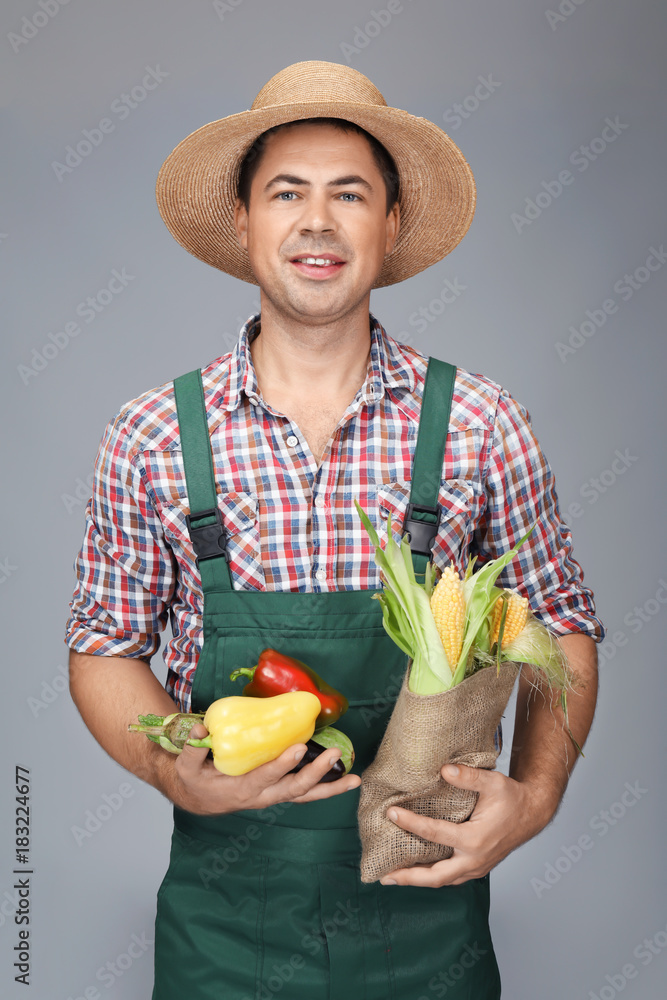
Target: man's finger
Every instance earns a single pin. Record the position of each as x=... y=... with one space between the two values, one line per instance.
x=439 y=831
x=270 y=773
x=453 y=871
x=194 y=756
x=327 y=789
x=275 y=775
x=310 y=774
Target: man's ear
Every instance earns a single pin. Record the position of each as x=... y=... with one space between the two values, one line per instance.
x=241 y=223
x=393 y=224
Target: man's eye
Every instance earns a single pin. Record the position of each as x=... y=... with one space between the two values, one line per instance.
x=346 y=194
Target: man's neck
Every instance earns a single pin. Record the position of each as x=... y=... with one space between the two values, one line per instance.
x=298 y=360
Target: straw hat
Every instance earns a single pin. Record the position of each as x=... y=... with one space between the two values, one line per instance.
x=197 y=183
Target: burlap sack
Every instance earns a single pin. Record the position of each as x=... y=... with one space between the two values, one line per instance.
x=423 y=733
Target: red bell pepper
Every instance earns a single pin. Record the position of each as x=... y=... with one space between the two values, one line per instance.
x=276 y=673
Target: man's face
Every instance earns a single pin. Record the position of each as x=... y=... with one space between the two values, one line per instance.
x=316 y=193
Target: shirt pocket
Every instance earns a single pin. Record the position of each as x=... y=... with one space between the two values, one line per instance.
x=240 y=520
x=456 y=513
x=457 y=503
x=393 y=500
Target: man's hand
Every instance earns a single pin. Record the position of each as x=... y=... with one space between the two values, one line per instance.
x=196 y=785
x=111 y=691
x=507 y=814
x=510 y=811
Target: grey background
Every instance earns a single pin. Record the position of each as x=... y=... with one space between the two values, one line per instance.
x=59 y=241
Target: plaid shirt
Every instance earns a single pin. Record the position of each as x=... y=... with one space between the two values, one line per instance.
x=293 y=526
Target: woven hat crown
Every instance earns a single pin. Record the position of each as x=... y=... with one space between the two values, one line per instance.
x=319 y=83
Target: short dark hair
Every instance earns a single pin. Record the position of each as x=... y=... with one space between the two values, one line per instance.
x=383 y=158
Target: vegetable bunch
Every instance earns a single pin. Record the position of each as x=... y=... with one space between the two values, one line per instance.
x=285 y=702
x=172 y=732
x=452 y=628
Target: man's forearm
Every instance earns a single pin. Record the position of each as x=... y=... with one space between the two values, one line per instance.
x=543 y=754
x=110 y=692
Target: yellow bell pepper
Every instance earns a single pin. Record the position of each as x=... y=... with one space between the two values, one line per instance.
x=247 y=732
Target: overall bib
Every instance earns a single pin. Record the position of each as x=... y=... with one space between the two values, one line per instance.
x=263 y=903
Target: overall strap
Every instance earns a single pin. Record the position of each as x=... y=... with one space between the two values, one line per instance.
x=422 y=516
x=205 y=521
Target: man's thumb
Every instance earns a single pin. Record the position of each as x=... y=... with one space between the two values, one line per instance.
x=198 y=731
x=463 y=776
x=195 y=754
x=454 y=773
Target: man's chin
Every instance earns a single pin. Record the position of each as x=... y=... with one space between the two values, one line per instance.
x=318 y=307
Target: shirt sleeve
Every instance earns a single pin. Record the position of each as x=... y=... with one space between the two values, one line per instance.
x=125 y=569
x=520 y=490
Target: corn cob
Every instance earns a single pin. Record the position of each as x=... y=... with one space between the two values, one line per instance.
x=448 y=608
x=517 y=615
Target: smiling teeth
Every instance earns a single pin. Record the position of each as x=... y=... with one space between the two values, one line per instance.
x=316 y=260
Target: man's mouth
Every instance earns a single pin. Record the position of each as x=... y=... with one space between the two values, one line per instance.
x=320 y=267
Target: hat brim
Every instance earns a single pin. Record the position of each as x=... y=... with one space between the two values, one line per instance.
x=197 y=185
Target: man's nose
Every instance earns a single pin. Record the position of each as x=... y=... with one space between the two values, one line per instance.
x=317 y=215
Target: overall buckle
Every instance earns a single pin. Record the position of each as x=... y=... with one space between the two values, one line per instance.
x=208 y=540
x=421 y=534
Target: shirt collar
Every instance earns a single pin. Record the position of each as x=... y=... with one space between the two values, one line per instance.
x=388 y=366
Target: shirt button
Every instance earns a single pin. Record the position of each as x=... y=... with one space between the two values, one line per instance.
x=319 y=501
x=292 y=441
x=321 y=575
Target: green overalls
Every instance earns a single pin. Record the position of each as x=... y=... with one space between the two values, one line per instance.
x=266 y=903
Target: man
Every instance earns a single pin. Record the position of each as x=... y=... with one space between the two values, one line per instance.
x=226 y=502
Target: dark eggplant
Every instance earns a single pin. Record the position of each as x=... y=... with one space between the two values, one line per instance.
x=325 y=739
